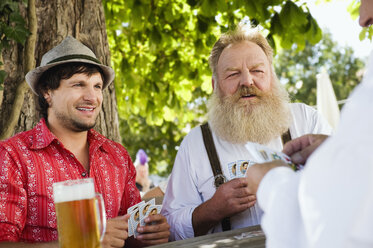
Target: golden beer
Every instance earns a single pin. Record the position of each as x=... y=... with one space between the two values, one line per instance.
x=78 y=219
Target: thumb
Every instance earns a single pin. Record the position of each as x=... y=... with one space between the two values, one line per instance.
x=123 y=217
x=126 y=217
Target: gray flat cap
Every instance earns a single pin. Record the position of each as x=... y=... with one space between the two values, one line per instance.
x=69 y=50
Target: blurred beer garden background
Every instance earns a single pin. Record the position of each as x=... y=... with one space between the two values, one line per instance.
x=159 y=51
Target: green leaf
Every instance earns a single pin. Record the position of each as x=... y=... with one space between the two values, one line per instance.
x=314 y=34
x=192 y=3
x=362 y=34
x=285 y=14
x=276 y=27
x=17 y=18
x=169 y=114
x=11 y=5
x=202 y=24
x=16 y=33
x=206 y=84
x=155 y=36
x=291 y=14
x=353 y=9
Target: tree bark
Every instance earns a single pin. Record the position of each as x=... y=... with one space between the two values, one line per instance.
x=29 y=63
x=55 y=20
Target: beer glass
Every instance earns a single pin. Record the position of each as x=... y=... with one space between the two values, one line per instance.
x=81 y=218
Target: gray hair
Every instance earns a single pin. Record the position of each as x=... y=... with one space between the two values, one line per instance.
x=240 y=33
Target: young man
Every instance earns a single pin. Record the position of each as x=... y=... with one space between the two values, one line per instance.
x=63 y=146
x=248 y=105
x=330 y=202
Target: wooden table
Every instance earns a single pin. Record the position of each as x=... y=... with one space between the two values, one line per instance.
x=250 y=237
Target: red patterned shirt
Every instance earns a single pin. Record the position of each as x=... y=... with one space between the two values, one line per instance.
x=32 y=161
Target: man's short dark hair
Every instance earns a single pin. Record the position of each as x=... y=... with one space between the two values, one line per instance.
x=50 y=80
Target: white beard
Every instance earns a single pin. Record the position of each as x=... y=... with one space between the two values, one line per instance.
x=238 y=121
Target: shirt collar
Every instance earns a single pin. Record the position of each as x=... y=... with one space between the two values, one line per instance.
x=43 y=137
x=96 y=141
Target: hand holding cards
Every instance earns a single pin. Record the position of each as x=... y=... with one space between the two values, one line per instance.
x=264 y=154
x=138 y=214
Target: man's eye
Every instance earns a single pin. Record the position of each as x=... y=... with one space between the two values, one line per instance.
x=258 y=71
x=99 y=86
x=77 y=85
x=232 y=74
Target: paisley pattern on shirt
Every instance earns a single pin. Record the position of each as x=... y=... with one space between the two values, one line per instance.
x=33 y=160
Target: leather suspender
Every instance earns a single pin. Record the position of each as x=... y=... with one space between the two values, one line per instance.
x=219 y=177
x=286 y=137
x=215 y=166
x=213 y=156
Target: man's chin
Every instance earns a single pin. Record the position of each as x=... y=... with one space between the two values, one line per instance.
x=83 y=126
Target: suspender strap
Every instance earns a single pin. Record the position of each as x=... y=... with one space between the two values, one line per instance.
x=286 y=137
x=215 y=166
x=215 y=163
x=212 y=154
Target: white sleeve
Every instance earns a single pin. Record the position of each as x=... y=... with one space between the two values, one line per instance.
x=361 y=229
x=181 y=197
x=278 y=197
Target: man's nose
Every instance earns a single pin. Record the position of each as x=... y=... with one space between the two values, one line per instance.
x=246 y=78
x=90 y=94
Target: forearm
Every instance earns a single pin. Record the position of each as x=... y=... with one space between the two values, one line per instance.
x=28 y=245
x=204 y=218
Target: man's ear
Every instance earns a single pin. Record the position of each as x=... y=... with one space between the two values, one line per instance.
x=47 y=96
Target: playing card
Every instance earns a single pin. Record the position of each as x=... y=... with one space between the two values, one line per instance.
x=153 y=209
x=134 y=219
x=232 y=168
x=130 y=209
x=262 y=154
x=145 y=207
x=156 y=209
x=130 y=229
x=270 y=155
x=243 y=165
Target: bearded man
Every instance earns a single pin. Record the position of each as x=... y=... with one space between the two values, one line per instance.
x=249 y=105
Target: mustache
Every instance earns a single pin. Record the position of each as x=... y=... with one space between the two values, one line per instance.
x=244 y=91
x=252 y=90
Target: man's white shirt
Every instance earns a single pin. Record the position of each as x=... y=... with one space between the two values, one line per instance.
x=192 y=181
x=330 y=202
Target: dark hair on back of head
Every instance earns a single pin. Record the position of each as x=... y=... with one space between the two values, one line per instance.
x=50 y=80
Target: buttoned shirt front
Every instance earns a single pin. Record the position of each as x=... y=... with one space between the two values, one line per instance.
x=32 y=161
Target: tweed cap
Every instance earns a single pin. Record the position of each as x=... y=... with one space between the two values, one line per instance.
x=69 y=50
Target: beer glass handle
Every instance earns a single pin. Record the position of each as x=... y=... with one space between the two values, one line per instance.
x=102 y=215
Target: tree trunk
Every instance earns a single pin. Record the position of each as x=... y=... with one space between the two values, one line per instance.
x=56 y=19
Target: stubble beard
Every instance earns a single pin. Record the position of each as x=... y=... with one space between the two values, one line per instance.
x=259 y=120
x=74 y=123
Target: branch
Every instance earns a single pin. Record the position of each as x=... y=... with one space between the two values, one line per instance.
x=29 y=64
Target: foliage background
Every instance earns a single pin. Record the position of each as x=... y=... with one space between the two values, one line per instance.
x=12 y=27
x=298 y=69
x=160 y=51
x=160 y=54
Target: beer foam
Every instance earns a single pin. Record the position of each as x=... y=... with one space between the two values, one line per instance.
x=72 y=191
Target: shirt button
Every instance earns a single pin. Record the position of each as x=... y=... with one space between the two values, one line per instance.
x=72 y=155
x=84 y=174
